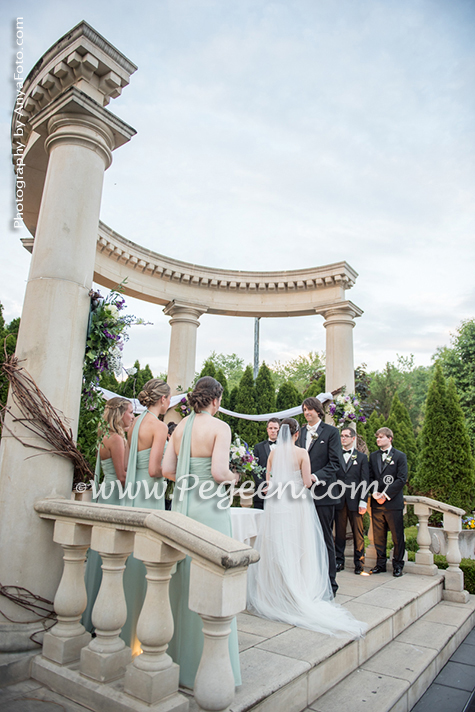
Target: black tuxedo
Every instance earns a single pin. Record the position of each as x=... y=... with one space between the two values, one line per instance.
x=390 y=477
x=325 y=453
x=261 y=453
x=354 y=473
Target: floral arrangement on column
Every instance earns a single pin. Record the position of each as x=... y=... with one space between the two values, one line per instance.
x=346 y=409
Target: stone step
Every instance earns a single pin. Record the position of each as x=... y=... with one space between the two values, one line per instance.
x=395 y=678
x=286 y=668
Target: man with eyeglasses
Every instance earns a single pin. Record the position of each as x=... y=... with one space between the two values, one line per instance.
x=354 y=474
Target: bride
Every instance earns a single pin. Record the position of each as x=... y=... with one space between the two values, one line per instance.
x=290 y=582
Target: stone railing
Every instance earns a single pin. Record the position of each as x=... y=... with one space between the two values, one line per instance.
x=72 y=660
x=424 y=563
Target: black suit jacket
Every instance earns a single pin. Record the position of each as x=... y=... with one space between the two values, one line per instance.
x=261 y=453
x=390 y=476
x=325 y=453
x=354 y=472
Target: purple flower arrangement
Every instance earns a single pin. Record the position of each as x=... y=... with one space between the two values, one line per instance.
x=346 y=409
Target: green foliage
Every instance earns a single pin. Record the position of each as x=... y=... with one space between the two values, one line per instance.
x=458 y=361
x=411 y=383
x=248 y=430
x=316 y=387
x=374 y=422
x=446 y=467
x=133 y=384
x=459 y=453
x=400 y=423
x=288 y=396
x=209 y=369
x=230 y=364
x=299 y=370
x=89 y=421
x=265 y=397
x=8 y=338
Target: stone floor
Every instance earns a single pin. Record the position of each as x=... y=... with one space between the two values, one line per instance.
x=274 y=654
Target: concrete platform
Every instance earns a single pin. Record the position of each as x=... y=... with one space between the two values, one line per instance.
x=412 y=633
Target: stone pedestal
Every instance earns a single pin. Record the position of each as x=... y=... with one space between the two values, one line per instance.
x=182 y=356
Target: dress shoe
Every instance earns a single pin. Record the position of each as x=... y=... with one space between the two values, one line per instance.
x=397 y=572
x=358 y=569
x=378 y=570
x=340 y=567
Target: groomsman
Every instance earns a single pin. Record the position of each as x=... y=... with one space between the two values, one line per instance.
x=323 y=444
x=261 y=453
x=388 y=468
x=354 y=473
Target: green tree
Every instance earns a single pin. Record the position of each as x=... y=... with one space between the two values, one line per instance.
x=248 y=430
x=230 y=364
x=265 y=397
x=316 y=386
x=459 y=453
x=209 y=369
x=458 y=361
x=299 y=370
x=400 y=423
x=288 y=396
x=434 y=477
x=374 y=422
x=133 y=384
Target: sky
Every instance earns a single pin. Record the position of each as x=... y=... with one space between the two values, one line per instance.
x=281 y=135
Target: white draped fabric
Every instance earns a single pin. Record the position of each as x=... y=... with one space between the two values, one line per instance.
x=289 y=413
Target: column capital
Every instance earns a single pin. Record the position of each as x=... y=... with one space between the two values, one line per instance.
x=340 y=313
x=81 y=130
x=184 y=312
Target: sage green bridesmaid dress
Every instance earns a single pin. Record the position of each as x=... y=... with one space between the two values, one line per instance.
x=93 y=576
x=186 y=646
x=135 y=584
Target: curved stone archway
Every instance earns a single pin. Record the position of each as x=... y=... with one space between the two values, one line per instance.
x=79 y=75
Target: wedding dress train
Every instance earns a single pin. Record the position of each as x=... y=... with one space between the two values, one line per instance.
x=290 y=582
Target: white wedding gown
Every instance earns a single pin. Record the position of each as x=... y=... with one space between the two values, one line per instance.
x=290 y=582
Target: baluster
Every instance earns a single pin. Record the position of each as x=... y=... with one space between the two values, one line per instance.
x=453 y=584
x=107 y=656
x=424 y=556
x=153 y=675
x=217 y=596
x=64 y=642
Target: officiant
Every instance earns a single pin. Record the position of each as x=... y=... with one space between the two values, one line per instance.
x=261 y=453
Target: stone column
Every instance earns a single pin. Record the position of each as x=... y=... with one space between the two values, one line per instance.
x=182 y=356
x=50 y=346
x=339 y=346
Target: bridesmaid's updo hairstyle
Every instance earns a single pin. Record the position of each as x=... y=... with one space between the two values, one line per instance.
x=113 y=412
x=205 y=391
x=292 y=423
x=152 y=391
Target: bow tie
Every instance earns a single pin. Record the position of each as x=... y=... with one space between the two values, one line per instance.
x=384 y=452
x=272 y=442
x=345 y=451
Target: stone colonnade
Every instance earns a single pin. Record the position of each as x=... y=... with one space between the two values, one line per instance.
x=338 y=323
x=69 y=137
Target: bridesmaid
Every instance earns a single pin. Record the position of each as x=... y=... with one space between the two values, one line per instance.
x=199 y=446
x=112 y=456
x=147 y=438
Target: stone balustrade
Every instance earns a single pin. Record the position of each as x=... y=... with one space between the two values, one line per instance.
x=424 y=560
x=160 y=540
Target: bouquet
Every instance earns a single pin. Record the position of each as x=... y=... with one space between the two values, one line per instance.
x=242 y=461
x=183 y=407
x=346 y=409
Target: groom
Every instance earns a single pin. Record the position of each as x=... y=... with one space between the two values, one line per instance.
x=324 y=448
